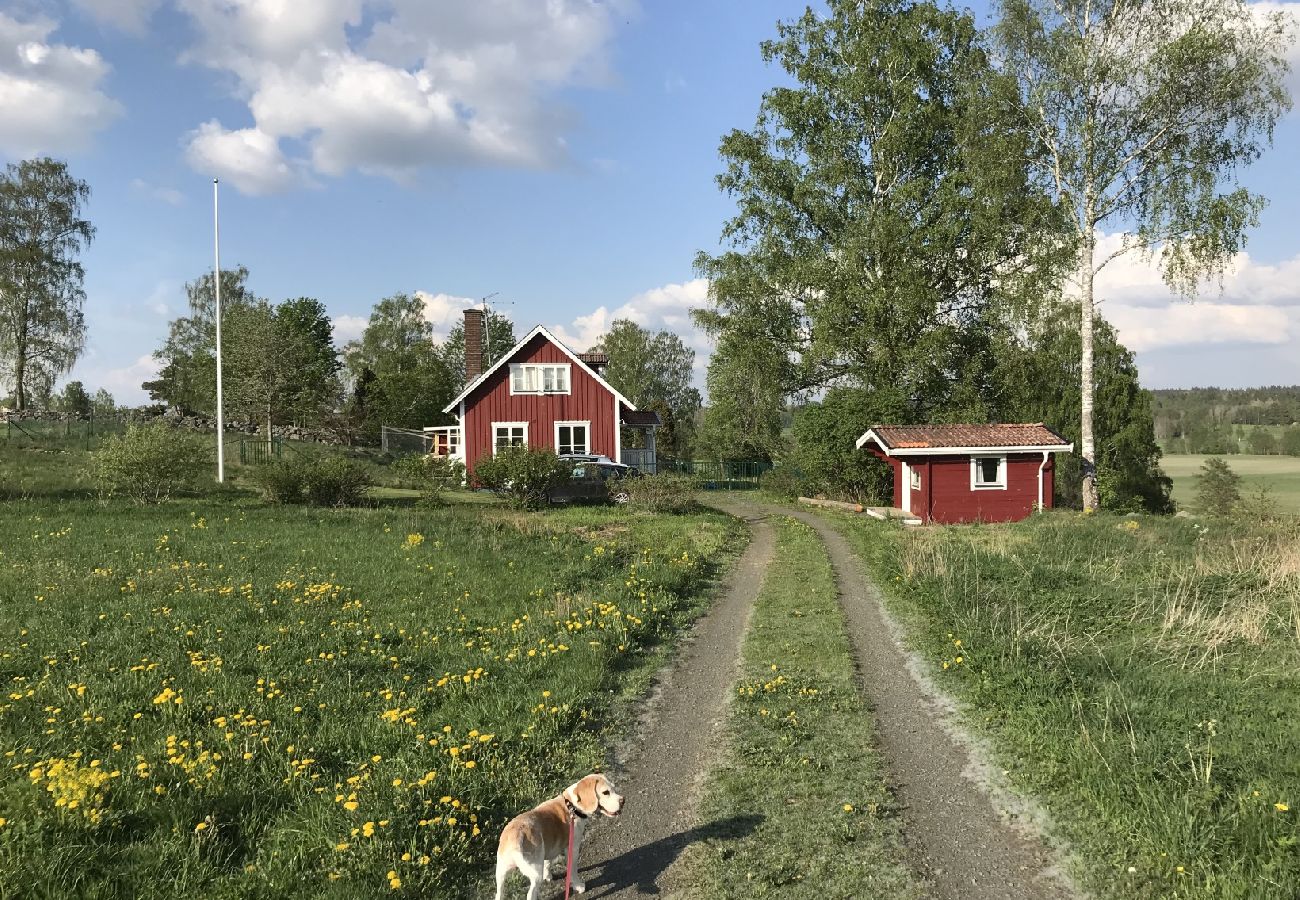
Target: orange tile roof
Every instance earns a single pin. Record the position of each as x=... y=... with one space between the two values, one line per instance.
x=919 y=437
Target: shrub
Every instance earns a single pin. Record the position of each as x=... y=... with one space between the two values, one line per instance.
x=432 y=475
x=282 y=480
x=318 y=480
x=783 y=482
x=523 y=476
x=667 y=493
x=1218 y=489
x=150 y=463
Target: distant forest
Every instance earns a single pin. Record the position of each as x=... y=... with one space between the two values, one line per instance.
x=1264 y=420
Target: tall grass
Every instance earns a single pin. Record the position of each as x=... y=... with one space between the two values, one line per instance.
x=1141 y=675
x=238 y=701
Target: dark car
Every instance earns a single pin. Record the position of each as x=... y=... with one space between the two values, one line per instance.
x=593 y=479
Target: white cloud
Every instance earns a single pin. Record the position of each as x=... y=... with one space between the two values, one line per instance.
x=444 y=311
x=170 y=196
x=348 y=328
x=249 y=159
x=665 y=308
x=393 y=86
x=1143 y=328
x=124 y=383
x=128 y=15
x=50 y=96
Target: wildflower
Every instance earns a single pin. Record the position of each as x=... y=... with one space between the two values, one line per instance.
x=200 y=827
x=848 y=807
x=1281 y=807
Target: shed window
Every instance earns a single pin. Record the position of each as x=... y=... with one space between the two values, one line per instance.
x=509 y=434
x=916 y=479
x=572 y=437
x=535 y=378
x=988 y=473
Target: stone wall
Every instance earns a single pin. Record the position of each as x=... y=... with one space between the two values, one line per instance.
x=176 y=419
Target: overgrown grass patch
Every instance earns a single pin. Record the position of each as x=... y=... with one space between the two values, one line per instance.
x=220 y=700
x=1141 y=676
x=799 y=763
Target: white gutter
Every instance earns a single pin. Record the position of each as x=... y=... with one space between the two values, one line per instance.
x=1041 y=467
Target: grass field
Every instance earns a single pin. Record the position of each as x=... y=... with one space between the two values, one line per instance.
x=222 y=699
x=1141 y=676
x=1280 y=474
x=799 y=755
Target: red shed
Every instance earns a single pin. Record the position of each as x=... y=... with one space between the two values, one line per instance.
x=539 y=394
x=969 y=473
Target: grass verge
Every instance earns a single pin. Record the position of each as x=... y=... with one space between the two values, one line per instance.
x=799 y=761
x=218 y=699
x=1140 y=676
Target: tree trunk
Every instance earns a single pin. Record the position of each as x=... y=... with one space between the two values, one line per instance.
x=1087 y=314
x=269 y=447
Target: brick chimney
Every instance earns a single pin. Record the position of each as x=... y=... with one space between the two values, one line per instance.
x=473 y=344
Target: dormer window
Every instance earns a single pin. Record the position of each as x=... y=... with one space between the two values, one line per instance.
x=539 y=378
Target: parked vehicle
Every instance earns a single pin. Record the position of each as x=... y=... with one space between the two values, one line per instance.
x=594 y=479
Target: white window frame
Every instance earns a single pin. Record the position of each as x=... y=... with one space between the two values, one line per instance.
x=1000 y=484
x=915 y=478
x=584 y=424
x=521 y=372
x=497 y=426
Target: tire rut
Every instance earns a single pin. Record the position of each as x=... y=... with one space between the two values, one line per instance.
x=966 y=841
x=660 y=773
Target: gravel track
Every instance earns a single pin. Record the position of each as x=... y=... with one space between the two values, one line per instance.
x=965 y=835
x=675 y=741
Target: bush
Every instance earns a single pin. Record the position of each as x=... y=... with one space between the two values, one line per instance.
x=150 y=463
x=666 y=493
x=431 y=475
x=1218 y=489
x=318 y=480
x=523 y=476
x=783 y=482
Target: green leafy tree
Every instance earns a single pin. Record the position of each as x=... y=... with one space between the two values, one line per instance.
x=498 y=339
x=75 y=400
x=886 y=216
x=279 y=362
x=398 y=376
x=103 y=403
x=654 y=370
x=187 y=379
x=825 y=455
x=1144 y=114
x=42 y=233
x=1046 y=355
x=1290 y=444
x=744 y=416
x=1218 y=488
x=1262 y=441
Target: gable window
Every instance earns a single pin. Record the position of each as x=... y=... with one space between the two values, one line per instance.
x=509 y=434
x=572 y=437
x=538 y=378
x=988 y=473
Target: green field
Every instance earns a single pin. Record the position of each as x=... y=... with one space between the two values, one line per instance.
x=1280 y=474
x=1140 y=676
x=218 y=698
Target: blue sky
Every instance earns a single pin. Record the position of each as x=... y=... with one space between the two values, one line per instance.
x=347 y=173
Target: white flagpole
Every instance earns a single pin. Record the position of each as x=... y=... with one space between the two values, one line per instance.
x=216 y=286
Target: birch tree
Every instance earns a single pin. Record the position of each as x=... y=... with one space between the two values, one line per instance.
x=1146 y=112
x=42 y=232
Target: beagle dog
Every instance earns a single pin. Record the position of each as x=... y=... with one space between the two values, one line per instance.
x=532 y=839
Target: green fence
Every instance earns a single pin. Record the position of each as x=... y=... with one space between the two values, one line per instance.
x=718 y=474
x=256 y=452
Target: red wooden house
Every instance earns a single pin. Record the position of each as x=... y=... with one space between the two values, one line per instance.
x=540 y=394
x=968 y=473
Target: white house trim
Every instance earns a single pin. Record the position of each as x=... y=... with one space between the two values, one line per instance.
x=496 y=425
x=540 y=329
x=585 y=423
x=907 y=488
x=976 y=485
x=463 y=454
x=618 y=431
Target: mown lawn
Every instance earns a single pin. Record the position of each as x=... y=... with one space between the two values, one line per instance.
x=799 y=763
x=1280 y=475
x=224 y=699
x=1141 y=676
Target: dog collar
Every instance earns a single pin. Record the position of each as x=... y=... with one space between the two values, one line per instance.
x=573 y=808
